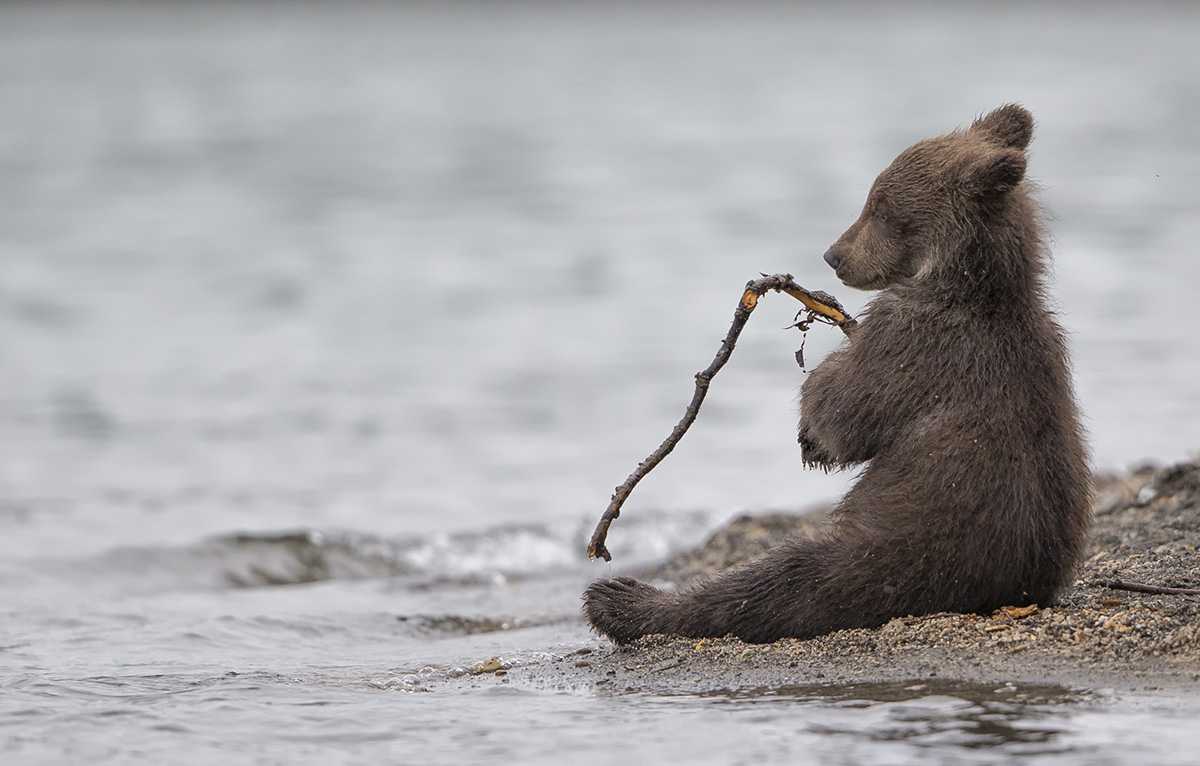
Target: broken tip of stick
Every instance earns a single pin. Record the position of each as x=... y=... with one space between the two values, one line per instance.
x=817 y=301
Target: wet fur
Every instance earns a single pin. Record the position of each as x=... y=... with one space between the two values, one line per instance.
x=955 y=395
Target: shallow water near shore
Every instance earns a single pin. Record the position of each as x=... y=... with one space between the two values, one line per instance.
x=863 y=724
x=326 y=333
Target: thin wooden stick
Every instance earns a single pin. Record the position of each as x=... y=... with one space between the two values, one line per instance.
x=1139 y=587
x=820 y=305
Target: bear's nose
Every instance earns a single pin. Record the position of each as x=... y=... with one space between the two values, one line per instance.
x=833 y=259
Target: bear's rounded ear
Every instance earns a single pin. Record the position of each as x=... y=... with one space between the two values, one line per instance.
x=996 y=172
x=1010 y=126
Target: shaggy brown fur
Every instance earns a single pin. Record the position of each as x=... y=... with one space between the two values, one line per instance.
x=956 y=394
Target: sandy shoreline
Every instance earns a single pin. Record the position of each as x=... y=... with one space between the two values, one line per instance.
x=1146 y=528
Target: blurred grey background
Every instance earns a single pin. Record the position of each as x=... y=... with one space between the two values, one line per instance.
x=406 y=267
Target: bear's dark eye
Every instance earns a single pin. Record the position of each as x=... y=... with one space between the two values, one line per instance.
x=881 y=210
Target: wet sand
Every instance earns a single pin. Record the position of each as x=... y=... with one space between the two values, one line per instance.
x=1146 y=528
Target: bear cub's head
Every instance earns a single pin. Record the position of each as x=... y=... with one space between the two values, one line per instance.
x=932 y=197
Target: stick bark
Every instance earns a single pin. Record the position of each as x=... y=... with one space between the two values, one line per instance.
x=1139 y=587
x=820 y=306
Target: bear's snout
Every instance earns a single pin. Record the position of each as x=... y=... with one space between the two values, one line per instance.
x=833 y=258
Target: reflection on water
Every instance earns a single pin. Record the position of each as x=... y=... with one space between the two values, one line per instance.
x=433 y=714
x=933 y=713
x=918 y=721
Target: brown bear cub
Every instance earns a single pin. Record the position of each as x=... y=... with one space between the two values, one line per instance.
x=954 y=392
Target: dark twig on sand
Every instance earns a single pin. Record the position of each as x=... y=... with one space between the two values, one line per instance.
x=820 y=306
x=1139 y=587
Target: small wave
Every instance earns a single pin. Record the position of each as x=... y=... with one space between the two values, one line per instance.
x=300 y=556
x=460 y=625
x=303 y=556
x=294 y=557
x=251 y=560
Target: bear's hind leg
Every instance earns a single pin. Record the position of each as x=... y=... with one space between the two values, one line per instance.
x=625 y=609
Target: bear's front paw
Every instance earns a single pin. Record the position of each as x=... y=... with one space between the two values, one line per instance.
x=812 y=453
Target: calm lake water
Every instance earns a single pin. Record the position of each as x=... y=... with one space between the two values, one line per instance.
x=323 y=330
